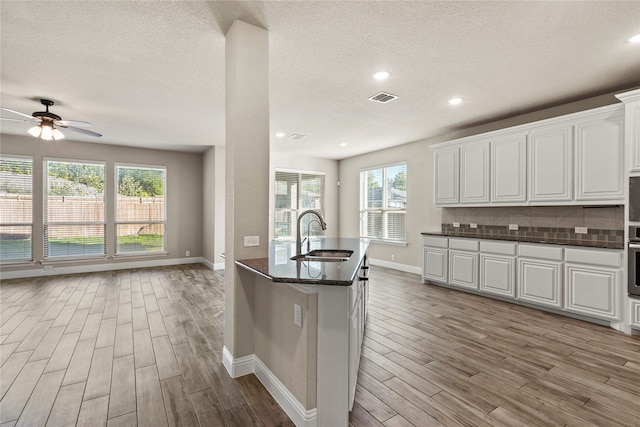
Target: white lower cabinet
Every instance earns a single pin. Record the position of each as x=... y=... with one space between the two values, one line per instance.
x=635 y=313
x=540 y=282
x=592 y=283
x=578 y=280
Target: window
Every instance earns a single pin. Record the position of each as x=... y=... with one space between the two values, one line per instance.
x=74 y=214
x=140 y=209
x=383 y=203
x=296 y=192
x=16 y=223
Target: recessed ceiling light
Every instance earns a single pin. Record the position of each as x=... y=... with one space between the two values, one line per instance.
x=634 y=39
x=381 y=75
x=455 y=101
x=343 y=144
x=280 y=134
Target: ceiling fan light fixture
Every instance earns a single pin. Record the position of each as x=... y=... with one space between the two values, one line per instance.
x=47 y=133
x=35 y=131
x=57 y=135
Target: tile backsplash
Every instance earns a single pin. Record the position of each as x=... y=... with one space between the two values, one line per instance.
x=604 y=224
x=601 y=218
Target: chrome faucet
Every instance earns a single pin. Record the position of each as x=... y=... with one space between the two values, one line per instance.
x=299 y=241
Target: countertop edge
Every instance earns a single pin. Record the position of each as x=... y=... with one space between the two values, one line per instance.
x=522 y=239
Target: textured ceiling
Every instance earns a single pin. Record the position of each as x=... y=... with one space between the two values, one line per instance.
x=151 y=74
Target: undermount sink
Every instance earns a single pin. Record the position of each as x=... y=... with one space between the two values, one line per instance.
x=325 y=255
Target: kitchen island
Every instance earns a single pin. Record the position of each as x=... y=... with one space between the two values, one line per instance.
x=309 y=318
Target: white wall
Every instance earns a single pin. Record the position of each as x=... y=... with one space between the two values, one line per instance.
x=281 y=160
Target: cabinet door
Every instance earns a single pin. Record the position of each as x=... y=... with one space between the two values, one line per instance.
x=508 y=169
x=463 y=269
x=446 y=164
x=497 y=275
x=599 y=158
x=540 y=282
x=435 y=264
x=632 y=133
x=550 y=164
x=355 y=340
x=474 y=172
x=592 y=291
x=635 y=312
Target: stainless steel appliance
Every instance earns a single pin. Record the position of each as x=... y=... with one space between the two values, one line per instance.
x=634 y=260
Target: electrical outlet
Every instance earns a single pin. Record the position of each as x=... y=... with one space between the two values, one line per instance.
x=393 y=257
x=582 y=230
x=187 y=253
x=473 y=225
x=251 y=241
x=456 y=225
x=297 y=315
x=513 y=227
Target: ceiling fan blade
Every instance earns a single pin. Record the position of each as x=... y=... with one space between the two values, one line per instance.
x=79 y=130
x=21 y=120
x=73 y=123
x=18 y=113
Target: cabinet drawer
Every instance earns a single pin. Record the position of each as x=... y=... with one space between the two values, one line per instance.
x=607 y=258
x=553 y=253
x=500 y=248
x=434 y=241
x=464 y=244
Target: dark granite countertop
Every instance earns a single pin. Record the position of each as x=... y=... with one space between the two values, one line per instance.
x=531 y=239
x=279 y=267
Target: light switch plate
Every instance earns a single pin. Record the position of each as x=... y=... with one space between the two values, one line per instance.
x=456 y=225
x=251 y=241
x=582 y=230
x=513 y=227
x=297 y=315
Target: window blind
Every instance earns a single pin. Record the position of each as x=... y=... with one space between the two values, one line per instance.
x=16 y=206
x=140 y=209
x=74 y=212
x=383 y=203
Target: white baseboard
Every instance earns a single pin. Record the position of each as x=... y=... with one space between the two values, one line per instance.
x=92 y=268
x=208 y=263
x=252 y=364
x=396 y=266
x=218 y=266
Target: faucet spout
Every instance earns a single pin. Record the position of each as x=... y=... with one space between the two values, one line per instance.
x=320 y=221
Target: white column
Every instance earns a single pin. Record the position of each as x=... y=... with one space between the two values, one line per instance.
x=247 y=175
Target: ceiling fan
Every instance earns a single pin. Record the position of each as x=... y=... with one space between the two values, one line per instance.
x=47 y=123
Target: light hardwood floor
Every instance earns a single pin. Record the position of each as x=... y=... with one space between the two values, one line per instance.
x=143 y=347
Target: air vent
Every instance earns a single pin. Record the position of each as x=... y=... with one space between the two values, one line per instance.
x=297 y=136
x=383 y=97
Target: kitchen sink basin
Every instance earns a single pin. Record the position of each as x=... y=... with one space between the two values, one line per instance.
x=325 y=255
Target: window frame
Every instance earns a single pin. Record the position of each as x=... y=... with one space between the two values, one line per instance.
x=384 y=210
x=30 y=258
x=163 y=251
x=298 y=210
x=45 y=216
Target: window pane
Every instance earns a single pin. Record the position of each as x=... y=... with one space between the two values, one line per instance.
x=295 y=192
x=286 y=191
x=140 y=238
x=285 y=223
x=16 y=206
x=311 y=192
x=383 y=207
x=140 y=194
x=15 y=242
x=74 y=240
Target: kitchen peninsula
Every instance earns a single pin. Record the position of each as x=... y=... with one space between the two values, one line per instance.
x=309 y=316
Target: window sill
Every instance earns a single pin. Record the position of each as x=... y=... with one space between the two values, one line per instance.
x=62 y=260
x=388 y=242
x=17 y=263
x=140 y=255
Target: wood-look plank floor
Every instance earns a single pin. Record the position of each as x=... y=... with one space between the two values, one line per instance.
x=143 y=347
x=124 y=348
x=438 y=357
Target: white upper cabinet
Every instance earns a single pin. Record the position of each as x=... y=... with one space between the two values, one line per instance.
x=550 y=163
x=446 y=164
x=600 y=157
x=631 y=101
x=508 y=169
x=474 y=172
